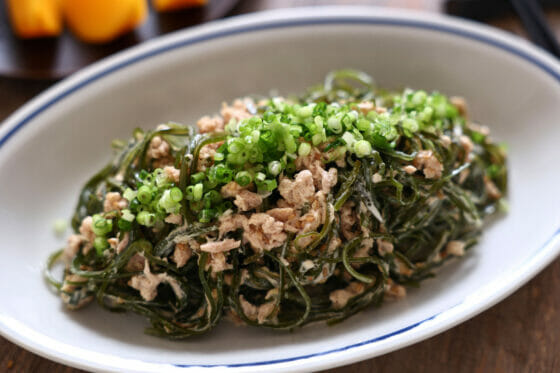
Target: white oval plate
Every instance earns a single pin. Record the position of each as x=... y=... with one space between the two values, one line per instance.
x=50 y=146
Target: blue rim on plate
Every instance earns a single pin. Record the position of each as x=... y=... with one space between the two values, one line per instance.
x=308 y=22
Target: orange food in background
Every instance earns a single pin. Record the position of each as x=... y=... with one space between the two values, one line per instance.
x=35 y=18
x=170 y=5
x=93 y=21
x=100 y=21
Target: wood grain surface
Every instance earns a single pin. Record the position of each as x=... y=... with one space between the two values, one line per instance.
x=520 y=334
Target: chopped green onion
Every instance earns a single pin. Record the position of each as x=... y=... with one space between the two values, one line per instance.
x=503 y=205
x=60 y=226
x=134 y=204
x=237 y=159
x=161 y=177
x=146 y=218
x=176 y=194
x=349 y=139
x=372 y=115
x=235 y=145
x=363 y=125
x=198 y=177
x=100 y=244
x=334 y=124
x=143 y=174
x=243 y=178
x=317 y=139
x=419 y=98
x=189 y=195
x=305 y=111
x=362 y=148
x=101 y=226
x=213 y=196
x=144 y=195
x=129 y=194
x=197 y=192
x=426 y=114
x=222 y=173
x=274 y=168
x=124 y=225
x=267 y=185
x=291 y=168
x=255 y=134
x=206 y=215
x=290 y=144
x=210 y=184
x=127 y=215
x=165 y=201
x=410 y=126
x=477 y=137
x=304 y=149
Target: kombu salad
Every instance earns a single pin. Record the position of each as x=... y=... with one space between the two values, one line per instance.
x=280 y=211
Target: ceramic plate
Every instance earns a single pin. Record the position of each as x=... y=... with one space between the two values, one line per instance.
x=50 y=146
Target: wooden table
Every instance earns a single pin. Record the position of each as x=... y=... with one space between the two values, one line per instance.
x=520 y=334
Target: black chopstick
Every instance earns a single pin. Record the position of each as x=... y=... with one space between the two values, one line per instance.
x=539 y=16
x=535 y=23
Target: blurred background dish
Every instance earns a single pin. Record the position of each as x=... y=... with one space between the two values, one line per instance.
x=57 y=57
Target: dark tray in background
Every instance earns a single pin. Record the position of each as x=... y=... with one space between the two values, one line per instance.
x=485 y=10
x=54 y=58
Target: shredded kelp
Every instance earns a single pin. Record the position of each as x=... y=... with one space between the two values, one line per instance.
x=283 y=211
